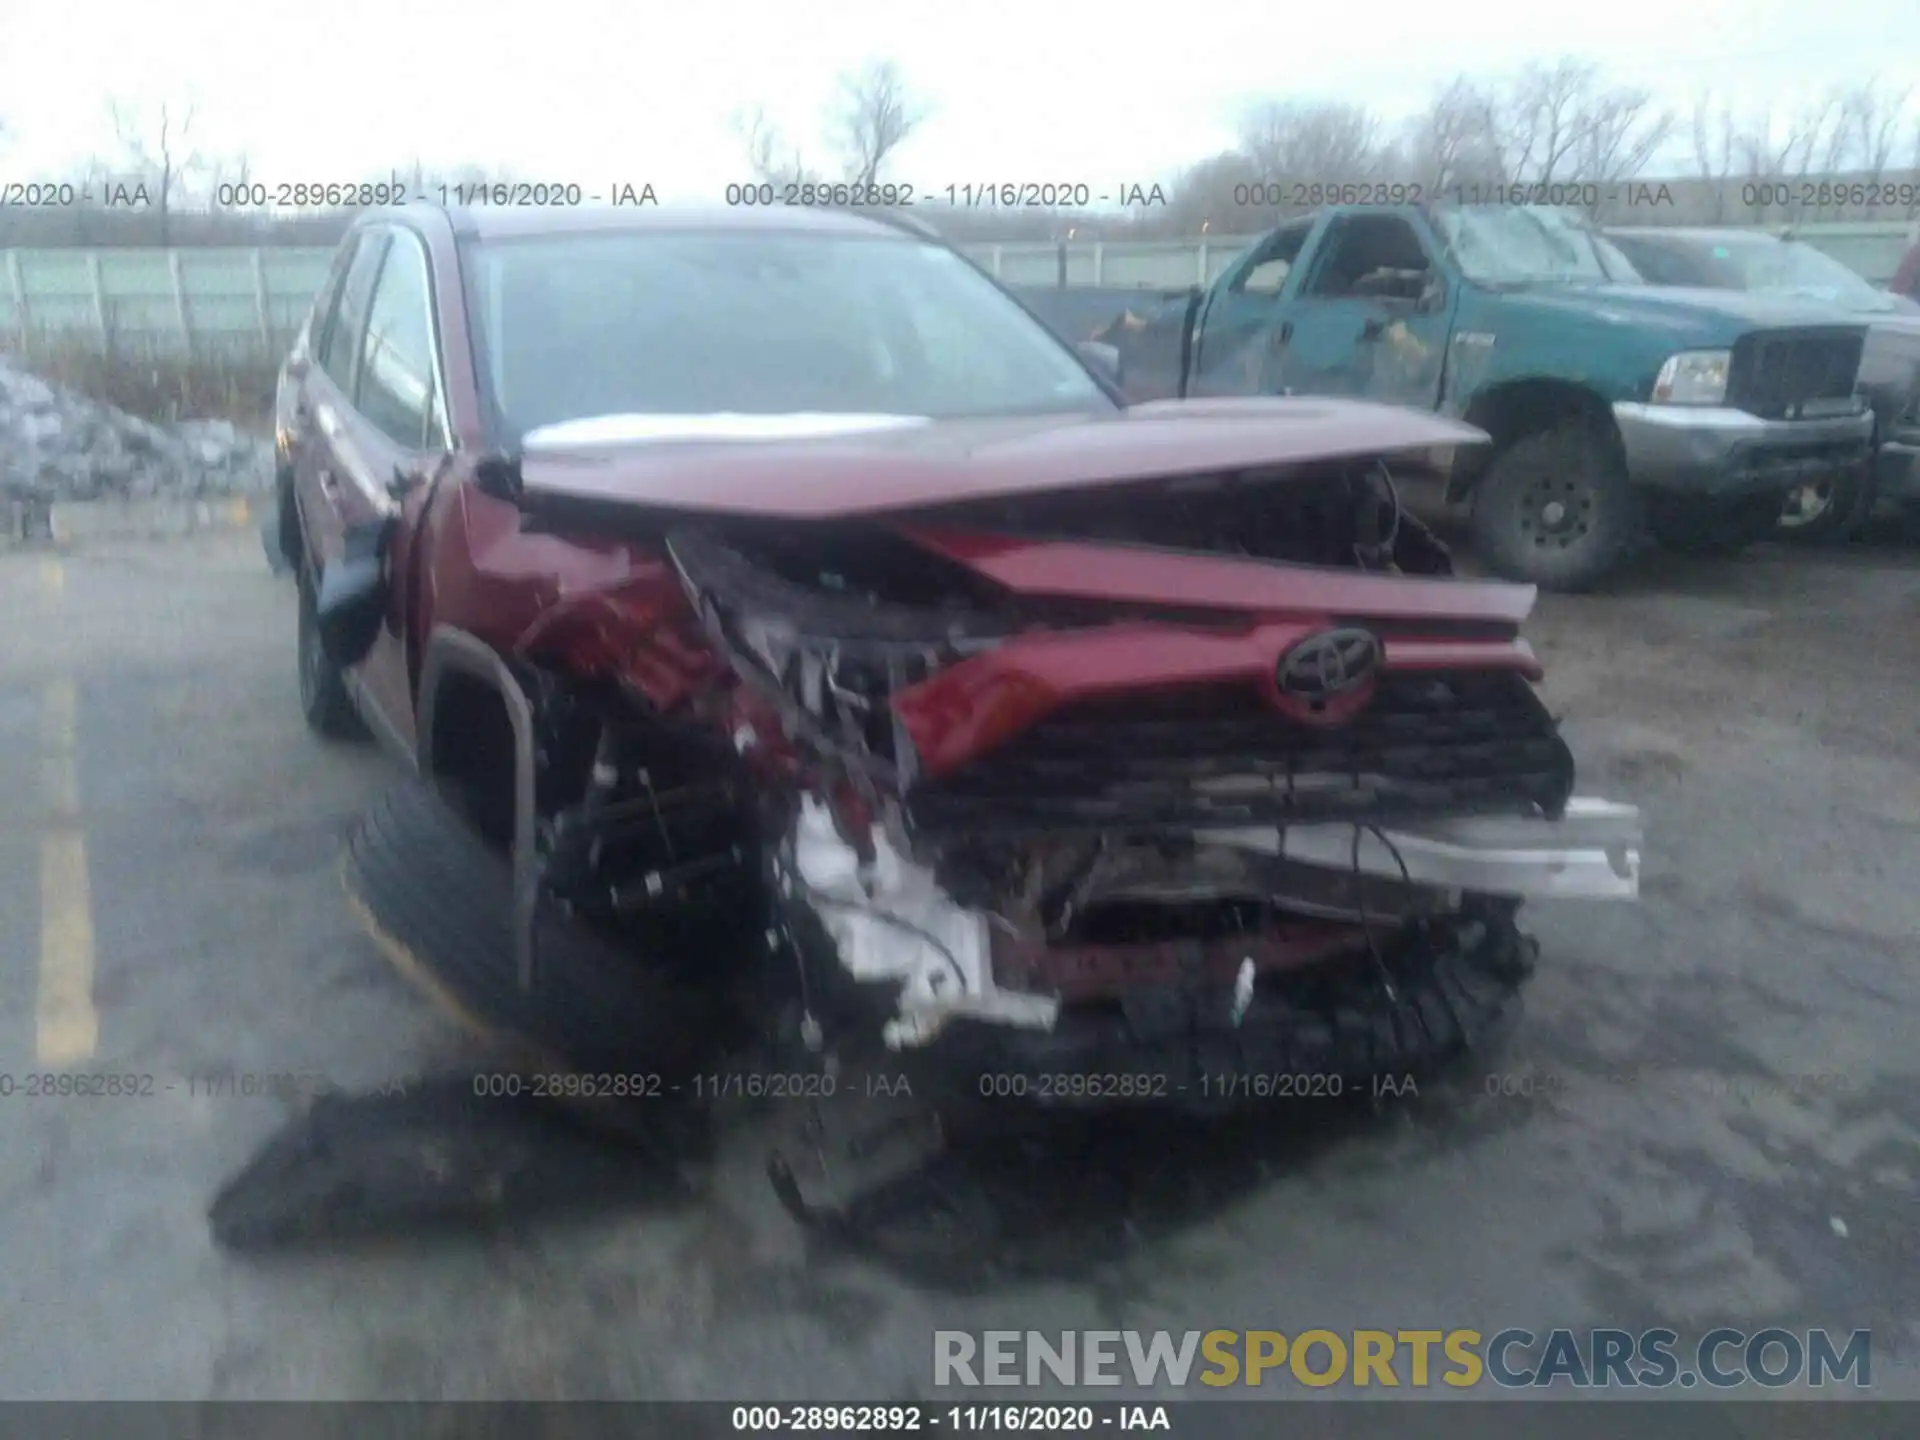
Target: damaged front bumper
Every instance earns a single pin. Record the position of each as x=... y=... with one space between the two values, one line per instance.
x=890 y=922
x=1591 y=853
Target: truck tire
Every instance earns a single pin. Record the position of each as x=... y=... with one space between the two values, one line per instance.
x=1555 y=508
x=1700 y=528
x=1832 y=510
x=324 y=699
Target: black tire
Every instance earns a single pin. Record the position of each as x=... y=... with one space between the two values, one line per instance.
x=1827 y=511
x=1555 y=508
x=438 y=899
x=324 y=699
x=1693 y=527
x=280 y=529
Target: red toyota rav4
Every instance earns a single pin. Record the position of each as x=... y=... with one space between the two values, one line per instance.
x=783 y=622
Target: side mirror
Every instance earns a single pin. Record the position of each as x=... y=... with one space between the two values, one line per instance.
x=353 y=594
x=1102 y=357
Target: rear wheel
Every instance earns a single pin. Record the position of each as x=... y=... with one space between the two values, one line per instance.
x=324 y=699
x=1825 y=510
x=1556 y=508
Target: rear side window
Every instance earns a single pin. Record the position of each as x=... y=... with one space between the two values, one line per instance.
x=340 y=349
x=398 y=390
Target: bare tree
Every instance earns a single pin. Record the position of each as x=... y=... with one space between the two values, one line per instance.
x=1813 y=142
x=157 y=146
x=876 y=115
x=1716 y=148
x=1536 y=122
x=1452 y=143
x=1618 y=132
x=1827 y=136
x=1763 y=155
x=769 y=158
x=233 y=173
x=1326 y=142
x=1560 y=124
x=1913 y=169
x=1870 y=118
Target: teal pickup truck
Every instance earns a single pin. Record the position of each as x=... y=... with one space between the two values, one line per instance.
x=1616 y=408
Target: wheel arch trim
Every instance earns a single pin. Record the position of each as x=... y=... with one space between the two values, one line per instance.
x=452 y=651
x=1484 y=404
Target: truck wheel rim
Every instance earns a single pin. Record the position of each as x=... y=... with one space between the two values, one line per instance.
x=1807 y=503
x=1556 y=512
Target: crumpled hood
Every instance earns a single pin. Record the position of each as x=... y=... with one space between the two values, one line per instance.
x=879 y=468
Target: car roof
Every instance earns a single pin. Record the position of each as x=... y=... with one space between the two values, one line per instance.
x=487 y=222
x=1703 y=235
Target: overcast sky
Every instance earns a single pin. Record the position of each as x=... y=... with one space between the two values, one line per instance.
x=598 y=91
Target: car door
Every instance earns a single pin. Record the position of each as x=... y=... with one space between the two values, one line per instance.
x=388 y=439
x=325 y=396
x=1242 y=315
x=1370 y=316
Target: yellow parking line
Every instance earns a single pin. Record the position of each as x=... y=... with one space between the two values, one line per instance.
x=67 y=1028
x=59 y=778
x=53 y=577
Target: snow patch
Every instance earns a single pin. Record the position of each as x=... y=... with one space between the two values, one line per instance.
x=59 y=446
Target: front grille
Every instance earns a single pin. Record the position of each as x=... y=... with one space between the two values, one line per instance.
x=1774 y=372
x=1426 y=745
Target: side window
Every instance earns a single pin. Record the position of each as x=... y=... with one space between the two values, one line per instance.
x=1274 y=259
x=339 y=352
x=398 y=390
x=329 y=296
x=1372 y=256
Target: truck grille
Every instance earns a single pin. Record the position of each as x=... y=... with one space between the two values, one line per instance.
x=1774 y=372
x=1426 y=745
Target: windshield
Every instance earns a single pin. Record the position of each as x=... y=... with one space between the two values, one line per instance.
x=756 y=323
x=1529 y=244
x=1793 y=267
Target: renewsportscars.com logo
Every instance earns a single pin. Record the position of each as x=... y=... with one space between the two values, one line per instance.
x=1417 y=1359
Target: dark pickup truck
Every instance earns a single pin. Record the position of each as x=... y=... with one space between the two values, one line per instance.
x=1615 y=407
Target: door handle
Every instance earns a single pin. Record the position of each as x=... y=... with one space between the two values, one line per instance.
x=1373 y=329
x=329 y=482
x=1278 y=337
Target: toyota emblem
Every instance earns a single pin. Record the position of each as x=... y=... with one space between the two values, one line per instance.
x=1330 y=664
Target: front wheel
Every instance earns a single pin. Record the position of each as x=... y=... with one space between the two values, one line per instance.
x=324 y=699
x=1555 y=508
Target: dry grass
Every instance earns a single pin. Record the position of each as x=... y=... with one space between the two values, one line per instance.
x=231 y=384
